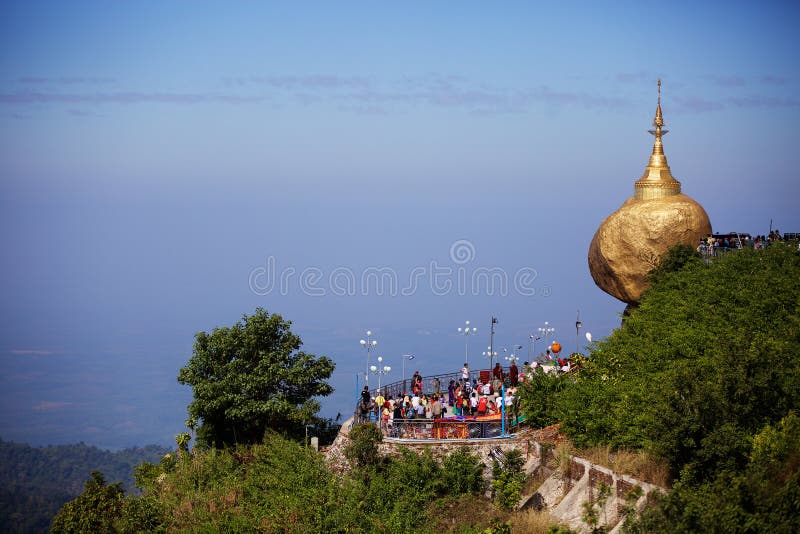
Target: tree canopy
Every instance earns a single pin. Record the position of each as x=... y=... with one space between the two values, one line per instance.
x=711 y=355
x=252 y=377
x=36 y=481
x=279 y=486
x=95 y=510
x=703 y=373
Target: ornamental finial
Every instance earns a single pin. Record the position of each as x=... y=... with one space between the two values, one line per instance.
x=658 y=122
x=657 y=180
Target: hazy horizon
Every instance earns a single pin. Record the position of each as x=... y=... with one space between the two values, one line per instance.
x=165 y=164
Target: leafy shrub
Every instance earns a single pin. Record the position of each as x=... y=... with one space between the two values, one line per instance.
x=462 y=472
x=508 y=479
x=363 y=447
x=95 y=510
x=537 y=396
x=141 y=514
x=710 y=355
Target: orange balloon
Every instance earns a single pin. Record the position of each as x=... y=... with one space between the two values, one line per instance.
x=556 y=347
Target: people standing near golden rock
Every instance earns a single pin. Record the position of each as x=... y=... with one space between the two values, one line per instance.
x=630 y=242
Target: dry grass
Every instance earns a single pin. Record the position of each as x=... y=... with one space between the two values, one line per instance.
x=533 y=522
x=638 y=464
x=453 y=514
x=561 y=456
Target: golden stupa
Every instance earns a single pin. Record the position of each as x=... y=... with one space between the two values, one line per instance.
x=630 y=242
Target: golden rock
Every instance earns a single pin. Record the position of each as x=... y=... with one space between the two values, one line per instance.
x=630 y=242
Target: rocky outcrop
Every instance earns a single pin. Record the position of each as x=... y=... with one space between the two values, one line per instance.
x=631 y=241
x=563 y=491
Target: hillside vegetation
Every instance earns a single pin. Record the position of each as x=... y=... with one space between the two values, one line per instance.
x=703 y=377
x=281 y=486
x=706 y=375
x=36 y=481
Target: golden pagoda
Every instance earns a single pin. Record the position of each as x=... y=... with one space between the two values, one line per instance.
x=631 y=241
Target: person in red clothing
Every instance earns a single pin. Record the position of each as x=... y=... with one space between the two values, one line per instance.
x=482 y=404
x=513 y=374
x=497 y=372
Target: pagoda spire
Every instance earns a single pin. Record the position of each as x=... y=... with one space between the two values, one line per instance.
x=657 y=180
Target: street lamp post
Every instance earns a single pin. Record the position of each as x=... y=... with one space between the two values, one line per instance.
x=578 y=325
x=512 y=357
x=532 y=342
x=408 y=357
x=368 y=344
x=380 y=370
x=490 y=354
x=545 y=331
x=467 y=331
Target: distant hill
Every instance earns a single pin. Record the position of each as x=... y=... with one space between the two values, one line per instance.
x=36 y=481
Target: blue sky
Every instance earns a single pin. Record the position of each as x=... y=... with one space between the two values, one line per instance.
x=158 y=158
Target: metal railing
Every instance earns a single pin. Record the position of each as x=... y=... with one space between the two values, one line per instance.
x=424 y=429
x=401 y=387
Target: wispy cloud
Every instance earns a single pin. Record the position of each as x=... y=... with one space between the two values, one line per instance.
x=770 y=79
x=83 y=113
x=728 y=80
x=696 y=104
x=46 y=406
x=40 y=97
x=546 y=94
x=355 y=94
x=457 y=92
x=311 y=81
x=31 y=352
x=362 y=95
x=761 y=101
x=633 y=77
x=65 y=80
x=364 y=110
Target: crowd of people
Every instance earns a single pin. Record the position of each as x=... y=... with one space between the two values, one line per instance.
x=713 y=244
x=462 y=397
x=467 y=396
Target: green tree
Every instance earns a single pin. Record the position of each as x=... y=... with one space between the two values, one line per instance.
x=763 y=497
x=537 y=396
x=674 y=260
x=182 y=440
x=95 y=510
x=250 y=378
x=508 y=479
x=463 y=472
x=710 y=356
x=706 y=374
x=362 y=450
x=141 y=514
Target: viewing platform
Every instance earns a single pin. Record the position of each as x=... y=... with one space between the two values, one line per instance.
x=499 y=421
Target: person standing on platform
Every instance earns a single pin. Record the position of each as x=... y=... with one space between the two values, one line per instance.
x=436 y=409
x=451 y=393
x=497 y=372
x=513 y=374
x=379 y=401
